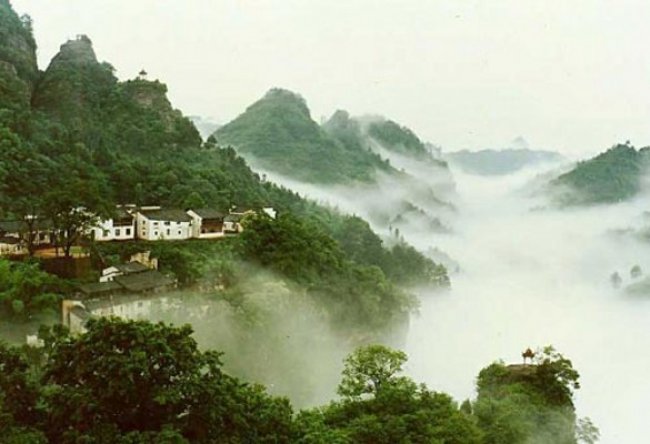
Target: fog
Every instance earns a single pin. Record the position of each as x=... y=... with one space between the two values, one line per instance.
x=270 y=332
x=530 y=275
x=533 y=278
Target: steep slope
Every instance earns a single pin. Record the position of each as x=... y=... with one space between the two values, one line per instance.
x=18 y=69
x=414 y=198
x=612 y=176
x=278 y=133
x=93 y=141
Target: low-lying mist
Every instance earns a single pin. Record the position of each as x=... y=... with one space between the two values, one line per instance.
x=270 y=333
x=530 y=275
x=531 y=278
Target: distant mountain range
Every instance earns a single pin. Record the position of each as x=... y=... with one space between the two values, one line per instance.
x=495 y=162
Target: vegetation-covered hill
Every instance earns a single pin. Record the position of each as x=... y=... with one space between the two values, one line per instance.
x=279 y=133
x=499 y=162
x=138 y=382
x=612 y=176
x=90 y=140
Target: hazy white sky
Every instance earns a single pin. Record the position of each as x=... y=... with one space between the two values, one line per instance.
x=567 y=75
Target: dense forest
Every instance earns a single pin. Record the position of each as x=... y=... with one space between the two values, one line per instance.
x=73 y=137
x=138 y=382
x=279 y=133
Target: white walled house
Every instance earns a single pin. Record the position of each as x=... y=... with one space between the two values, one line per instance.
x=207 y=223
x=109 y=274
x=122 y=227
x=232 y=224
x=155 y=223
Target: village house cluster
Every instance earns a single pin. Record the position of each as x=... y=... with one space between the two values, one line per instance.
x=131 y=222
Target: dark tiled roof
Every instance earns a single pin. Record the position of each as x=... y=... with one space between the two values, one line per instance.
x=172 y=214
x=14 y=226
x=209 y=213
x=144 y=281
x=131 y=267
x=232 y=218
x=100 y=288
x=11 y=226
x=242 y=210
x=9 y=240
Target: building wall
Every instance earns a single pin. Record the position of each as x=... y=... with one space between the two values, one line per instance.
x=107 y=231
x=162 y=230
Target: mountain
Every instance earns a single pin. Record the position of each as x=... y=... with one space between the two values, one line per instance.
x=500 y=162
x=277 y=133
x=612 y=176
x=86 y=139
x=18 y=68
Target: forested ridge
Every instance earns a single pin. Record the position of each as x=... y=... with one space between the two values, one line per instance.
x=612 y=176
x=78 y=137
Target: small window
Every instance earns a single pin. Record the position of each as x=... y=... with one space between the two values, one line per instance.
x=105 y=233
x=155 y=233
x=128 y=232
x=117 y=232
x=167 y=222
x=169 y=232
x=179 y=232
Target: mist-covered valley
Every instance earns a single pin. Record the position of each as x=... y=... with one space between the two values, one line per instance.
x=525 y=273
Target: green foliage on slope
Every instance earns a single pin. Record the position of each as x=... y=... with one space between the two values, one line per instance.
x=612 y=176
x=92 y=141
x=397 y=138
x=278 y=132
x=520 y=403
x=139 y=382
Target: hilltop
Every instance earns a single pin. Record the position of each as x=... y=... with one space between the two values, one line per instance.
x=612 y=176
x=76 y=136
x=278 y=132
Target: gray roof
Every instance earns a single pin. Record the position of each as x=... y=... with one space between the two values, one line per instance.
x=10 y=240
x=131 y=267
x=209 y=213
x=12 y=226
x=144 y=281
x=100 y=288
x=15 y=226
x=172 y=214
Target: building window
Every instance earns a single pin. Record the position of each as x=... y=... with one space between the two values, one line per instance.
x=179 y=232
x=128 y=232
x=117 y=232
x=168 y=231
x=155 y=233
x=105 y=233
x=167 y=222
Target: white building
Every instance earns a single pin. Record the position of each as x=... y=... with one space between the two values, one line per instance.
x=155 y=223
x=109 y=274
x=207 y=223
x=122 y=227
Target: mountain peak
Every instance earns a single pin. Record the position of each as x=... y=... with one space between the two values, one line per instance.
x=79 y=51
x=519 y=143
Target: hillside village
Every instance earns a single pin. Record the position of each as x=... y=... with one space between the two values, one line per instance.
x=129 y=223
x=129 y=290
